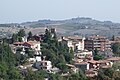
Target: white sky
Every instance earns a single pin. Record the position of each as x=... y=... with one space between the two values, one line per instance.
x=31 y=10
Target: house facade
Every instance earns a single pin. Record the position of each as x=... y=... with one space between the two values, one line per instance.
x=84 y=55
x=97 y=42
x=44 y=65
x=34 y=45
x=82 y=65
x=75 y=42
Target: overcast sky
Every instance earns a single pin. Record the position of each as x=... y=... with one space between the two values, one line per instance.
x=31 y=10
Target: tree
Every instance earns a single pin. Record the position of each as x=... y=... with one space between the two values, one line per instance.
x=75 y=77
x=8 y=64
x=47 y=35
x=20 y=58
x=108 y=74
x=97 y=56
x=20 y=39
x=3 y=70
x=7 y=55
x=95 y=52
x=33 y=75
x=63 y=67
x=116 y=75
x=55 y=77
x=30 y=36
x=30 y=53
x=116 y=48
x=14 y=38
x=55 y=51
x=21 y=33
x=102 y=76
x=113 y=38
x=14 y=74
x=82 y=75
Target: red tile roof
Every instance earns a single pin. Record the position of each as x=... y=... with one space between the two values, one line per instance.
x=30 y=43
x=114 y=59
x=103 y=61
x=74 y=37
x=92 y=61
x=18 y=43
x=81 y=63
x=97 y=36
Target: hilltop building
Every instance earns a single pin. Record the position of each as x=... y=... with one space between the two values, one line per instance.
x=34 y=45
x=75 y=42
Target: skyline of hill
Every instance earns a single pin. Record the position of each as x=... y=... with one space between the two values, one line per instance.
x=75 y=26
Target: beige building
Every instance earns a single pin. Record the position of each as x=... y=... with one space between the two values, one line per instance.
x=75 y=42
x=44 y=65
x=84 y=55
x=34 y=45
x=97 y=42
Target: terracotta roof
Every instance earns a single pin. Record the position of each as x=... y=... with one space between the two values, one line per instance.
x=98 y=62
x=74 y=37
x=69 y=65
x=45 y=61
x=82 y=63
x=114 y=59
x=30 y=43
x=18 y=43
x=106 y=66
x=91 y=73
x=93 y=61
x=97 y=36
x=103 y=61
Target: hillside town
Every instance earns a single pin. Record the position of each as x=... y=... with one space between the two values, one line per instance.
x=75 y=53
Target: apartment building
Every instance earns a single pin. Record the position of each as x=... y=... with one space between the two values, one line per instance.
x=84 y=55
x=97 y=42
x=44 y=65
x=75 y=42
x=34 y=45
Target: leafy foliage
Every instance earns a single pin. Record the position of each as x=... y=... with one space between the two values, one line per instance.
x=116 y=49
x=55 y=51
x=97 y=56
x=18 y=36
x=30 y=36
x=8 y=63
x=21 y=33
x=108 y=74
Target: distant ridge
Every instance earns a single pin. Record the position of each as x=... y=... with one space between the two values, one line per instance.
x=74 y=26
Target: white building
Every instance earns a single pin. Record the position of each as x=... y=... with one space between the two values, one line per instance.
x=45 y=65
x=84 y=54
x=75 y=42
x=34 y=45
x=36 y=59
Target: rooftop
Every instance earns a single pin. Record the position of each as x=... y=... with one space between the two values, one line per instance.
x=113 y=59
x=30 y=42
x=82 y=63
x=18 y=43
x=98 y=62
x=97 y=36
x=93 y=61
x=103 y=61
x=76 y=38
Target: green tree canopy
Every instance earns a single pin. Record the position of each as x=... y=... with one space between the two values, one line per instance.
x=116 y=48
x=21 y=33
